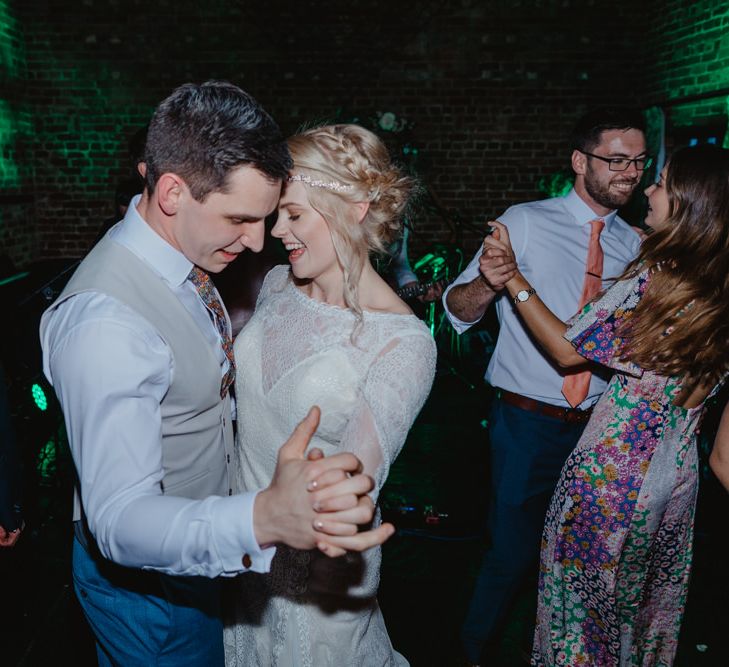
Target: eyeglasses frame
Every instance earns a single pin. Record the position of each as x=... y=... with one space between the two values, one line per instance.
x=634 y=160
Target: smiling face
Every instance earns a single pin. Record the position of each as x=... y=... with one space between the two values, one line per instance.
x=306 y=235
x=212 y=233
x=602 y=189
x=658 y=203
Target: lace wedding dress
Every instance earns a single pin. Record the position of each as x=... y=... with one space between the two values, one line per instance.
x=295 y=352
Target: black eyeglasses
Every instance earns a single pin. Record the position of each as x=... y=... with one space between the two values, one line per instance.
x=622 y=163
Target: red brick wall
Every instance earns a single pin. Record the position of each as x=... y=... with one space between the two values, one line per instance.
x=490 y=89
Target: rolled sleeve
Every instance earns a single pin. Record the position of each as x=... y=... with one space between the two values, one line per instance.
x=467 y=275
x=516 y=223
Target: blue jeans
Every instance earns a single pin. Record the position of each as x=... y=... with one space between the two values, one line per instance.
x=528 y=451
x=146 y=618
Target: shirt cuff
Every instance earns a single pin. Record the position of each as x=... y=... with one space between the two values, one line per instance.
x=459 y=325
x=238 y=548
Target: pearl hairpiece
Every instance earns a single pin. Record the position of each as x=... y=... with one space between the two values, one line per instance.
x=335 y=186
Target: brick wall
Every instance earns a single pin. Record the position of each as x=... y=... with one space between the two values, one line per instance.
x=689 y=62
x=489 y=90
x=19 y=238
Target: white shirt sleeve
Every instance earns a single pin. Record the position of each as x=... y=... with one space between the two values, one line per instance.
x=110 y=371
x=517 y=225
x=466 y=276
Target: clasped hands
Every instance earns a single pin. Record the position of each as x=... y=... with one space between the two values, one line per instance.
x=497 y=262
x=316 y=501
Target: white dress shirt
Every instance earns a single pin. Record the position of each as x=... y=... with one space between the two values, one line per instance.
x=550 y=240
x=110 y=370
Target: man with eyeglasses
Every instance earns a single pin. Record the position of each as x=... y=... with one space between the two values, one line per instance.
x=564 y=246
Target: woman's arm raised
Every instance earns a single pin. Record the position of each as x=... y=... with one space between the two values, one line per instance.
x=541 y=322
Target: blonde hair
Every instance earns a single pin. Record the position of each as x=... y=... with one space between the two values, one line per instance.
x=357 y=160
x=680 y=327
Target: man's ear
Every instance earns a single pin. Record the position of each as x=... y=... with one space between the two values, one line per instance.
x=169 y=190
x=579 y=162
x=361 y=207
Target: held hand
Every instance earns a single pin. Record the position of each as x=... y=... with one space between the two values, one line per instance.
x=310 y=499
x=343 y=506
x=497 y=262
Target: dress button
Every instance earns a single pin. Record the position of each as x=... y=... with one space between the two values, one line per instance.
x=246 y=560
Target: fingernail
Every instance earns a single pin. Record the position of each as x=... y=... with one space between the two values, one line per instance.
x=318 y=525
x=312 y=485
x=316 y=507
x=322 y=546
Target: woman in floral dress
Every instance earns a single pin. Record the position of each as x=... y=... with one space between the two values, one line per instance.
x=616 y=549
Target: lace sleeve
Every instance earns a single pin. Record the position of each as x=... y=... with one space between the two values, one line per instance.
x=593 y=331
x=397 y=384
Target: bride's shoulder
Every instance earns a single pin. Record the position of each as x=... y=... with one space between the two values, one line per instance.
x=276 y=279
x=379 y=297
x=391 y=304
x=273 y=282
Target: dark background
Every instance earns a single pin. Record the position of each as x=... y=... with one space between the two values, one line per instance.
x=487 y=90
x=484 y=95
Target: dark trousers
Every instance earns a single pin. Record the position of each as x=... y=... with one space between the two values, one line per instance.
x=528 y=451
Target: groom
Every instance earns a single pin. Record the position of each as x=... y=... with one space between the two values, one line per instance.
x=138 y=350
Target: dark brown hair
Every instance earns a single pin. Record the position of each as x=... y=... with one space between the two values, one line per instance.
x=203 y=132
x=681 y=325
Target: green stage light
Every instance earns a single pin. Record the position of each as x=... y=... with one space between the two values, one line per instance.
x=556 y=185
x=39 y=396
x=47 y=460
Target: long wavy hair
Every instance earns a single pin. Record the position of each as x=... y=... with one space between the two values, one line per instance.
x=353 y=156
x=680 y=328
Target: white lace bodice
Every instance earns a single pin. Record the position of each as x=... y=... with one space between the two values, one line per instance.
x=296 y=352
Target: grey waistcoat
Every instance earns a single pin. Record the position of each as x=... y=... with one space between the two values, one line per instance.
x=197 y=434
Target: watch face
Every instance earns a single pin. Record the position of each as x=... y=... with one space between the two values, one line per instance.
x=522 y=295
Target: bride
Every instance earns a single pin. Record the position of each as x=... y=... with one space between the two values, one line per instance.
x=327 y=331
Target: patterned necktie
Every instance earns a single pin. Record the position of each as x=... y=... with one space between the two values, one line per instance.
x=207 y=293
x=576 y=385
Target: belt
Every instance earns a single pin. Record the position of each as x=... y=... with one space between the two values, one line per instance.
x=569 y=415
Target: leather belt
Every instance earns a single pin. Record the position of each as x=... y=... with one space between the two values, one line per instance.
x=569 y=415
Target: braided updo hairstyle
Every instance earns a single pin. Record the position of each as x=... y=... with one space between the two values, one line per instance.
x=353 y=156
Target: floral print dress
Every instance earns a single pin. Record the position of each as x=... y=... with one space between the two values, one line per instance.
x=616 y=549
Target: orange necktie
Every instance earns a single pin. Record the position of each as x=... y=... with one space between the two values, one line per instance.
x=576 y=385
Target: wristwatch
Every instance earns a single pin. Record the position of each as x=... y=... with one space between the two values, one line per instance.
x=522 y=295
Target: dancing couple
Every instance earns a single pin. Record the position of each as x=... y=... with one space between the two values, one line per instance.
x=170 y=503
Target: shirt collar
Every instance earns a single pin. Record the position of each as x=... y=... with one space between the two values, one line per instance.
x=135 y=234
x=582 y=213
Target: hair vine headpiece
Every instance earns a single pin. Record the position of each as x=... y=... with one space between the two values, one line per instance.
x=335 y=186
